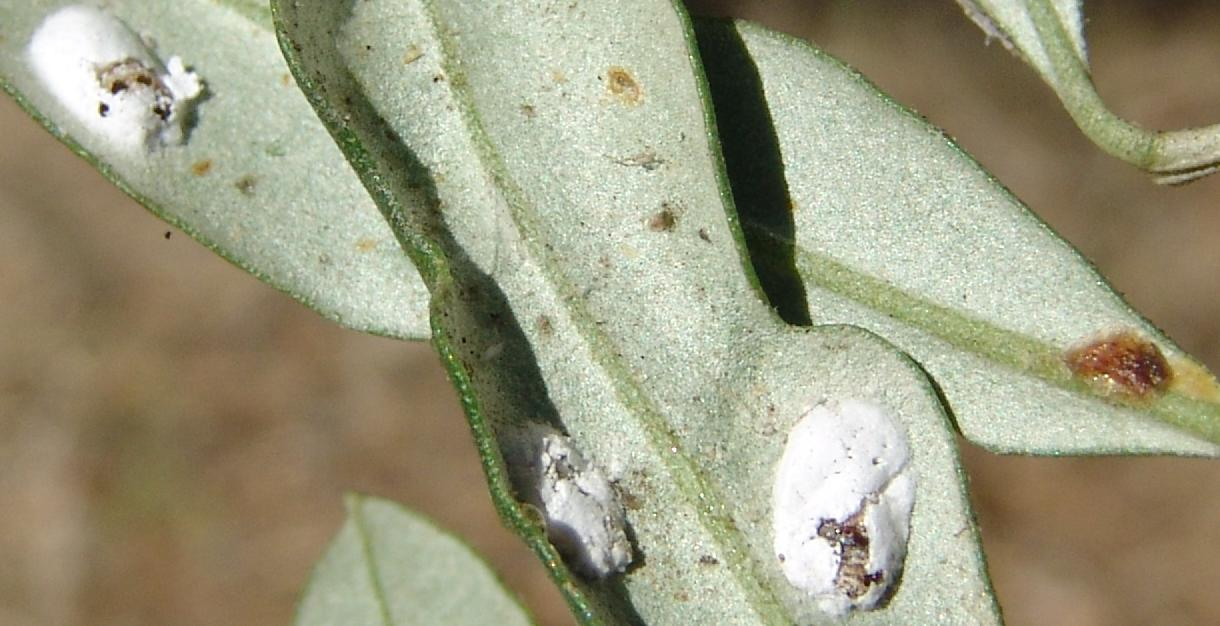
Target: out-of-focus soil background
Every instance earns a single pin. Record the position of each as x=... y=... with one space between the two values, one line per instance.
x=175 y=437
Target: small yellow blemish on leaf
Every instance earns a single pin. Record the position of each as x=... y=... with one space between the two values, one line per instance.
x=1194 y=381
x=412 y=54
x=366 y=244
x=201 y=167
x=623 y=86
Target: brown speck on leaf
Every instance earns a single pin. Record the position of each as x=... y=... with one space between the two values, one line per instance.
x=631 y=502
x=545 y=328
x=646 y=159
x=286 y=79
x=412 y=54
x=201 y=167
x=436 y=78
x=1122 y=364
x=708 y=559
x=103 y=109
x=168 y=234
x=704 y=236
x=528 y=111
x=246 y=184
x=664 y=220
x=622 y=85
x=366 y=244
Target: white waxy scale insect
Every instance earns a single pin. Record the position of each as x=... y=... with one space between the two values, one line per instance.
x=106 y=77
x=583 y=512
x=842 y=499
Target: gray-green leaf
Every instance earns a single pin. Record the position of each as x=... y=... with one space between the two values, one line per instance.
x=1049 y=35
x=883 y=222
x=257 y=179
x=555 y=167
x=388 y=566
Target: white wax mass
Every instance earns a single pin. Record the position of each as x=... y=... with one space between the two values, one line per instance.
x=842 y=500
x=584 y=516
x=106 y=77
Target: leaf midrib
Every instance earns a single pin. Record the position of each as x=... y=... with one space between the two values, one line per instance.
x=356 y=509
x=692 y=481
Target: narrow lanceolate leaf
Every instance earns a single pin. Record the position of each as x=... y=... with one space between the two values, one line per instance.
x=220 y=143
x=880 y=221
x=1049 y=35
x=390 y=567
x=593 y=306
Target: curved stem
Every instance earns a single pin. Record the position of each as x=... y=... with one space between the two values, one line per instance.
x=1177 y=156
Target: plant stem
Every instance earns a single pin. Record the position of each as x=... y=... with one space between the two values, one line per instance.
x=1177 y=156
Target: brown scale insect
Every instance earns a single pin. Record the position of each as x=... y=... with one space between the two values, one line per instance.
x=1123 y=364
x=851 y=537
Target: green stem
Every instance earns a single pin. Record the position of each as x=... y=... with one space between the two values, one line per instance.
x=1177 y=156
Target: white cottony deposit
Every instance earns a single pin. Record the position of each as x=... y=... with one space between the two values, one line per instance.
x=106 y=77
x=584 y=516
x=842 y=501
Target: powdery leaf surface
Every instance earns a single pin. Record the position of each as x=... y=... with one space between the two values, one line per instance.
x=388 y=566
x=874 y=218
x=589 y=278
x=246 y=168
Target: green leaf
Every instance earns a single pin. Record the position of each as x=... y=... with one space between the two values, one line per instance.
x=388 y=566
x=1049 y=36
x=257 y=180
x=884 y=223
x=554 y=169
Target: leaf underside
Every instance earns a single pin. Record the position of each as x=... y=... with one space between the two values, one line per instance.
x=258 y=181
x=390 y=567
x=872 y=217
x=554 y=172
x=555 y=167
x=876 y=220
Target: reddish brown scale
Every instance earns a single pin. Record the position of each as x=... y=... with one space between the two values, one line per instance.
x=1123 y=364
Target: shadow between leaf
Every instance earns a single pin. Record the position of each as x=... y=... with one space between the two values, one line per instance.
x=754 y=165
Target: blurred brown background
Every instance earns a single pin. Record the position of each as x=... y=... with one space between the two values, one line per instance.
x=175 y=436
